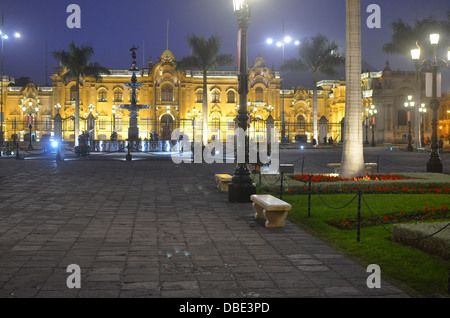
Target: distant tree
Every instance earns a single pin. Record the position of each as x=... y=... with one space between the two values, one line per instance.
x=76 y=61
x=316 y=55
x=205 y=56
x=405 y=37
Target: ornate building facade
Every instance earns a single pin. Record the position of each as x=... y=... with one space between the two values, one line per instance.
x=175 y=99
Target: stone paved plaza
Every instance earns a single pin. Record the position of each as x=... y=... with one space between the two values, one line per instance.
x=152 y=228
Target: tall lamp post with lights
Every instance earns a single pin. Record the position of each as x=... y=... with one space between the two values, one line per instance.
x=31 y=112
x=409 y=105
x=241 y=187
x=373 y=113
x=422 y=112
x=434 y=163
x=286 y=39
x=366 y=124
x=415 y=56
x=3 y=37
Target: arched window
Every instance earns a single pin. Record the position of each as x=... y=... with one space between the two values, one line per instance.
x=216 y=122
x=300 y=122
x=73 y=92
x=402 y=119
x=259 y=94
x=231 y=96
x=118 y=95
x=167 y=93
x=102 y=95
x=215 y=96
x=199 y=97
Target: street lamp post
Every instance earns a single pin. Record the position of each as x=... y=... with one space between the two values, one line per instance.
x=241 y=187
x=434 y=163
x=422 y=111
x=366 y=124
x=408 y=105
x=373 y=112
x=415 y=55
x=31 y=112
x=286 y=39
x=3 y=37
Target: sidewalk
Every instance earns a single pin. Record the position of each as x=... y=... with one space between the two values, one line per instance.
x=151 y=228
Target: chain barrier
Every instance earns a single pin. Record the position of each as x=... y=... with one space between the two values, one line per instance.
x=334 y=208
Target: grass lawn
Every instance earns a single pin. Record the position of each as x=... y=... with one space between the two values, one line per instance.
x=419 y=273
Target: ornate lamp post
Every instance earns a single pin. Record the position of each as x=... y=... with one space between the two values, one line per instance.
x=409 y=105
x=373 y=113
x=366 y=124
x=434 y=163
x=282 y=43
x=415 y=55
x=31 y=112
x=3 y=37
x=422 y=111
x=241 y=187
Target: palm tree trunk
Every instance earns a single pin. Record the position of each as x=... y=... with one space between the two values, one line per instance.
x=315 y=130
x=205 y=110
x=352 y=163
x=77 y=113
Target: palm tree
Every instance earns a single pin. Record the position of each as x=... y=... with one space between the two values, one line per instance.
x=205 y=57
x=76 y=60
x=352 y=162
x=405 y=37
x=317 y=55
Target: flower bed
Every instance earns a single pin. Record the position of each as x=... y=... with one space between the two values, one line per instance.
x=426 y=214
x=376 y=183
x=332 y=178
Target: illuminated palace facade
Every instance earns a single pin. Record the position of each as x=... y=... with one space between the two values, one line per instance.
x=175 y=99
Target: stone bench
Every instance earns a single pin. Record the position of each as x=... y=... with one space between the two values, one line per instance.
x=337 y=166
x=222 y=181
x=271 y=209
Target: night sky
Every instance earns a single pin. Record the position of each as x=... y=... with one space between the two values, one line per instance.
x=113 y=26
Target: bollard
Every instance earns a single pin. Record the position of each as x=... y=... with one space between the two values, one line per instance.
x=309 y=196
x=281 y=185
x=303 y=163
x=359 y=216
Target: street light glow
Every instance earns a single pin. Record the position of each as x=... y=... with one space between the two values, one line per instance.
x=238 y=4
x=297 y=42
x=279 y=44
x=415 y=54
x=17 y=35
x=434 y=39
x=287 y=39
x=269 y=41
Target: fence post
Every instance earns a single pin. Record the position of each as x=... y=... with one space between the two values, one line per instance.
x=378 y=164
x=281 y=184
x=359 y=216
x=260 y=186
x=309 y=196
